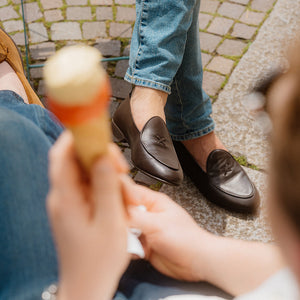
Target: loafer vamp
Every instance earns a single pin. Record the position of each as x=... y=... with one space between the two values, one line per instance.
x=156 y=140
x=152 y=151
x=225 y=183
x=226 y=175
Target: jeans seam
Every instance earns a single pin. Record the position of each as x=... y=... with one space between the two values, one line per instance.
x=139 y=52
x=181 y=105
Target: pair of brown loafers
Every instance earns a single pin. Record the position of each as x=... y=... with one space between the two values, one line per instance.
x=9 y=52
x=154 y=153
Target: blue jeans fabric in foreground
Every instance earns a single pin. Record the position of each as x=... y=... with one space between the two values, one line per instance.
x=165 y=54
x=27 y=255
x=28 y=262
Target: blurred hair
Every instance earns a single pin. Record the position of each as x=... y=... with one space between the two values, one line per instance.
x=286 y=147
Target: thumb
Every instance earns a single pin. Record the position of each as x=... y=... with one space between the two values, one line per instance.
x=106 y=195
x=140 y=219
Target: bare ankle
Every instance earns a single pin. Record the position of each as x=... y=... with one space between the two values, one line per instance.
x=201 y=147
x=147 y=103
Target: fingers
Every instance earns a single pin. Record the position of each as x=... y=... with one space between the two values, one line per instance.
x=106 y=194
x=63 y=171
x=135 y=194
x=143 y=220
x=65 y=195
x=117 y=158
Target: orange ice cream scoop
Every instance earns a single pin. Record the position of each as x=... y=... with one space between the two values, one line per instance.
x=78 y=92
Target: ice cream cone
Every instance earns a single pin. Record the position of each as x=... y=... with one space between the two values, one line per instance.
x=78 y=91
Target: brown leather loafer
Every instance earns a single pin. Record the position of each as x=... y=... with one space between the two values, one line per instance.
x=9 y=52
x=225 y=182
x=152 y=150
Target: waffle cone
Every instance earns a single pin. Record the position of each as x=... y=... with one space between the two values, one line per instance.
x=91 y=139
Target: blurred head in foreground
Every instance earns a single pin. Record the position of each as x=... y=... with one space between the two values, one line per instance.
x=283 y=105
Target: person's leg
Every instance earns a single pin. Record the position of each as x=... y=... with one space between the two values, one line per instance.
x=167 y=59
x=142 y=281
x=10 y=81
x=157 y=49
x=188 y=109
x=27 y=256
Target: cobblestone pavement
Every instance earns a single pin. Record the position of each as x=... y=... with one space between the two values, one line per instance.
x=233 y=56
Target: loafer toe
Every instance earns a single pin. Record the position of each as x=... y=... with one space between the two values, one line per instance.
x=224 y=183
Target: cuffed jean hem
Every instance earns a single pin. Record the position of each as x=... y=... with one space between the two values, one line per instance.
x=193 y=135
x=148 y=83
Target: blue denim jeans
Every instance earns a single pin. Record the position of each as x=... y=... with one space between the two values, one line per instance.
x=165 y=54
x=28 y=261
x=27 y=254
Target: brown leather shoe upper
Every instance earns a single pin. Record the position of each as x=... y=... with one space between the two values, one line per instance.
x=152 y=150
x=225 y=183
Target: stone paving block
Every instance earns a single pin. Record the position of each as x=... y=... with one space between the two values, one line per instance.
x=53 y=15
x=101 y=2
x=204 y=20
x=41 y=88
x=65 y=31
x=7 y=13
x=212 y=82
x=18 y=38
x=42 y=51
x=205 y=58
x=243 y=31
x=264 y=5
x=142 y=178
x=121 y=68
x=3 y=2
x=104 y=65
x=241 y=1
x=120 y=30
x=231 y=48
x=125 y=14
x=77 y=2
x=13 y=25
x=231 y=10
x=127 y=154
x=32 y=12
x=126 y=51
x=104 y=13
x=36 y=73
x=221 y=65
x=210 y=6
x=93 y=30
x=108 y=47
x=234 y=124
x=251 y=17
x=120 y=88
x=79 y=13
x=220 y=26
x=37 y=32
x=220 y=221
x=113 y=105
x=50 y=4
x=209 y=41
x=125 y=2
